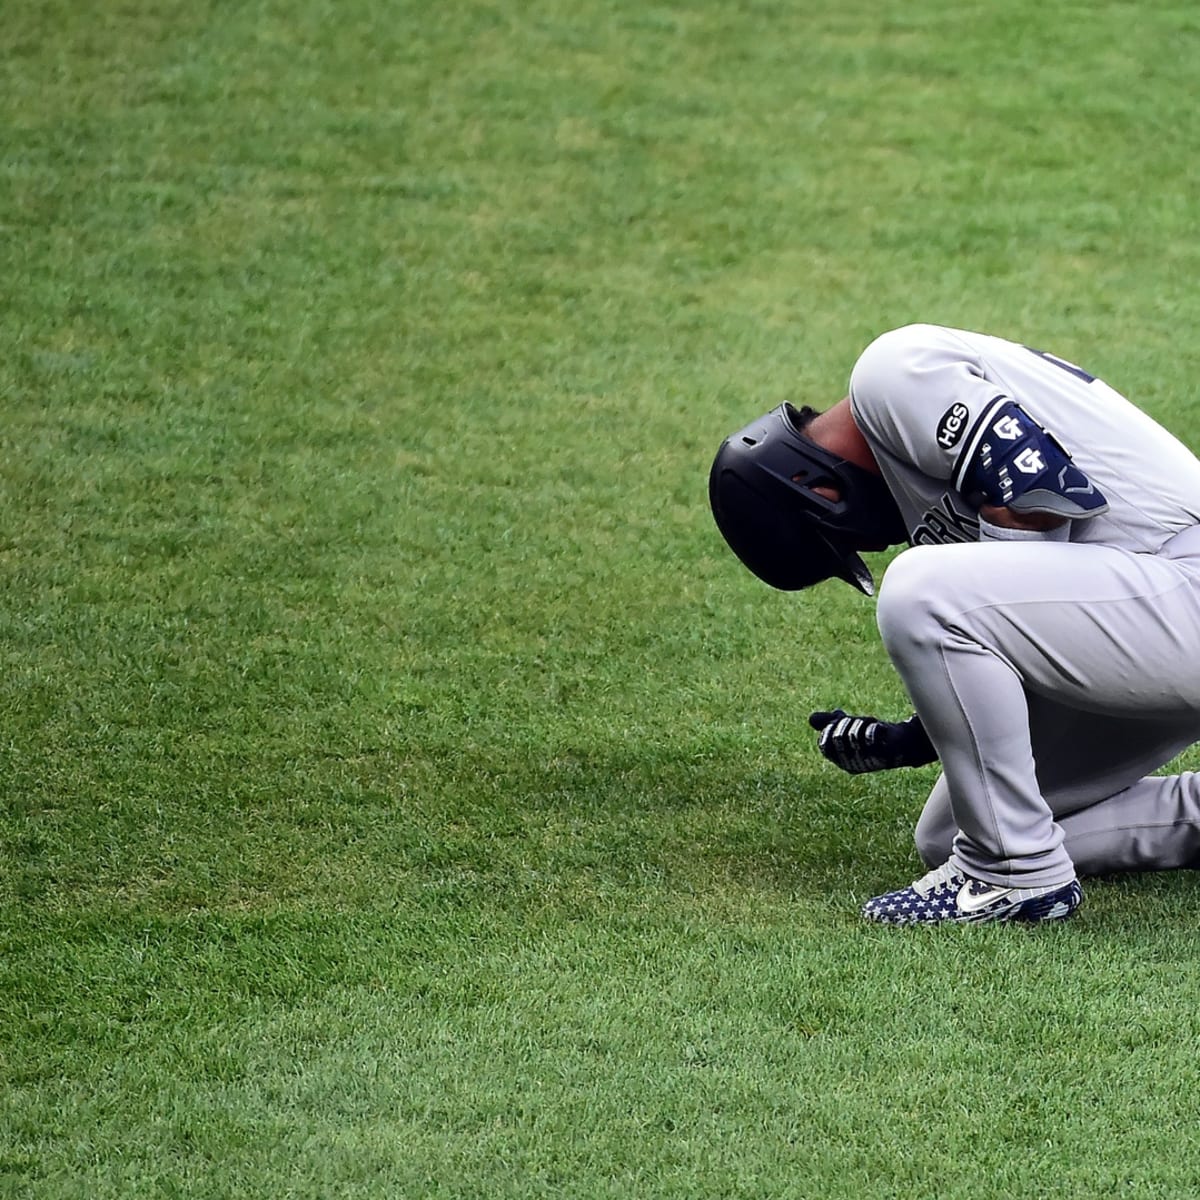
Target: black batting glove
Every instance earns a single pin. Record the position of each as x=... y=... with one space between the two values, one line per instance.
x=861 y=744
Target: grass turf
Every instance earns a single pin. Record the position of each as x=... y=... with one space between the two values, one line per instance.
x=404 y=792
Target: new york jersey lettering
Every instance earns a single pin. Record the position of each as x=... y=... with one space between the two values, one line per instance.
x=947 y=521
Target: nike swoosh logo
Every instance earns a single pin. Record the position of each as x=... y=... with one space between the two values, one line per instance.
x=970 y=902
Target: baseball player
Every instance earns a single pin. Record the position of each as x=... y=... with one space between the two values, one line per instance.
x=1045 y=622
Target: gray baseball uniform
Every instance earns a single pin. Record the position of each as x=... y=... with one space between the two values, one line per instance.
x=1052 y=672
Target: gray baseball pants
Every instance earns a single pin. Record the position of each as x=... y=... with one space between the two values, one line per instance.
x=1052 y=679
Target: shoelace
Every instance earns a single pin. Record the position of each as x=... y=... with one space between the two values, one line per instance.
x=944 y=874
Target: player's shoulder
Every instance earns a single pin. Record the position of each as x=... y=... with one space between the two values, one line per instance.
x=909 y=369
x=907 y=346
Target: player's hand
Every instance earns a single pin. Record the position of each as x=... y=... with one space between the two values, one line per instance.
x=861 y=744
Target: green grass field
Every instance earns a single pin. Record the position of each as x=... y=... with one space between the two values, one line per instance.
x=404 y=792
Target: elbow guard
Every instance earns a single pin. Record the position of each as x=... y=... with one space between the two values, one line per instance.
x=1011 y=461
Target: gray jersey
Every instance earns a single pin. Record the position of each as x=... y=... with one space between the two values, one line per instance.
x=919 y=394
x=1052 y=676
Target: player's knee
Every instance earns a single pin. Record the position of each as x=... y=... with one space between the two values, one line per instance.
x=908 y=605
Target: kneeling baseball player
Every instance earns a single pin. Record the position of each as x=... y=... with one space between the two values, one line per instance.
x=1045 y=622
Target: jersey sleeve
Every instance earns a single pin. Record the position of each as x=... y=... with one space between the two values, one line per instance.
x=922 y=395
x=917 y=392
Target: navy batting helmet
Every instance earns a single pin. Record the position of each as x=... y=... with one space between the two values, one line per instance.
x=762 y=491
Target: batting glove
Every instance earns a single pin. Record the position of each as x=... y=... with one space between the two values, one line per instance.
x=861 y=744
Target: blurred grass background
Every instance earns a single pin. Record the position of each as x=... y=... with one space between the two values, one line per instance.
x=404 y=793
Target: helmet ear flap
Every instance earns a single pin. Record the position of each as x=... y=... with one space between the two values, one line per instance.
x=788 y=555
x=765 y=490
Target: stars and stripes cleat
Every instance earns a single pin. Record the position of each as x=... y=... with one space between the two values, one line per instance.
x=946 y=894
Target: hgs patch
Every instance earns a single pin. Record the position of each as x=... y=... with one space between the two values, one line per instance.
x=952 y=426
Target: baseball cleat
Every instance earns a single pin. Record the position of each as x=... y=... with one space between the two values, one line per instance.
x=946 y=894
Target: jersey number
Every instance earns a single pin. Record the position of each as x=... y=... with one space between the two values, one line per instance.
x=1078 y=372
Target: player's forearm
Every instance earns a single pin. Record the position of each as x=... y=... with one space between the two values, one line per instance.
x=1007 y=518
